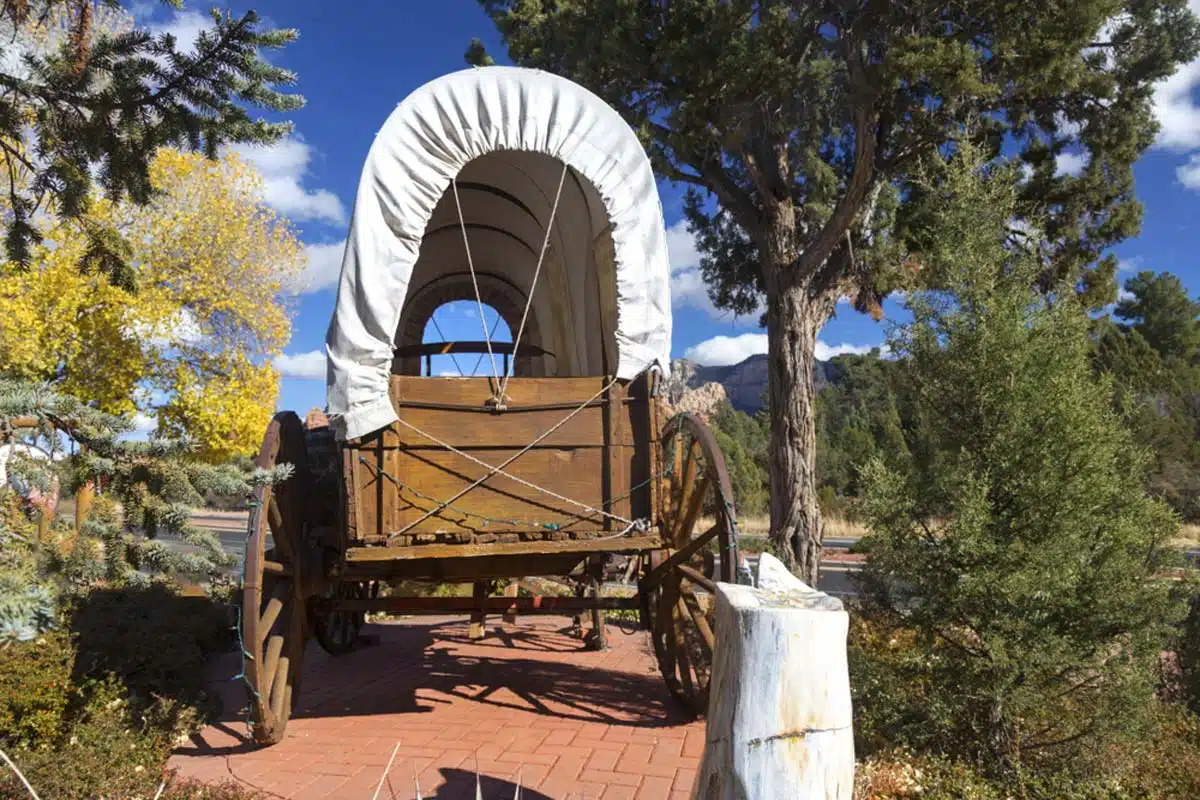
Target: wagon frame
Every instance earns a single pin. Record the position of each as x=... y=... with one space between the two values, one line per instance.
x=483 y=479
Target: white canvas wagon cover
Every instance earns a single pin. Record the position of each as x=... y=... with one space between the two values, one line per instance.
x=507 y=132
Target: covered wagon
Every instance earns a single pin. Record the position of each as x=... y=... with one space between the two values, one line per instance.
x=524 y=191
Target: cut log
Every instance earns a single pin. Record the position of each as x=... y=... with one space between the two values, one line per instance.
x=779 y=717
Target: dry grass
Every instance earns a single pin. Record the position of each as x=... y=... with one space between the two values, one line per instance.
x=1188 y=537
x=836 y=527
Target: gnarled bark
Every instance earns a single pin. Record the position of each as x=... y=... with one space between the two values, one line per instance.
x=794 y=319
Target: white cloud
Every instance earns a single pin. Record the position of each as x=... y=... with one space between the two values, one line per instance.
x=1178 y=113
x=181 y=329
x=721 y=351
x=1070 y=164
x=824 y=352
x=1176 y=109
x=142 y=10
x=1129 y=264
x=323 y=267
x=1189 y=174
x=687 y=283
x=284 y=166
x=1124 y=295
x=144 y=424
x=185 y=26
x=307 y=366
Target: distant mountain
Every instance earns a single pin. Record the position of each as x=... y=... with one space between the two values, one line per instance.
x=744 y=383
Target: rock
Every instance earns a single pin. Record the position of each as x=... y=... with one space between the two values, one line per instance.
x=315 y=419
x=702 y=401
x=745 y=383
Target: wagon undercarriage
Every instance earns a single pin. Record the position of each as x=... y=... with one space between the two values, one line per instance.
x=299 y=584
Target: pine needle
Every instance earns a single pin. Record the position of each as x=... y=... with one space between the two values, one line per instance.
x=386 y=770
x=10 y=763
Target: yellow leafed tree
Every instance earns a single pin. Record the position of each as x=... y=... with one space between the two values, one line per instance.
x=193 y=342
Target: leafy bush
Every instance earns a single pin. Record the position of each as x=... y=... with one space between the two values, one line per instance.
x=108 y=749
x=35 y=690
x=902 y=775
x=1188 y=654
x=743 y=441
x=93 y=708
x=1024 y=557
x=153 y=640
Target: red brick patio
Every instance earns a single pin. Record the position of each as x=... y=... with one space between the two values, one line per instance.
x=526 y=701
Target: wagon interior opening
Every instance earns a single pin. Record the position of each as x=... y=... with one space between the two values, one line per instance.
x=531 y=239
x=455 y=331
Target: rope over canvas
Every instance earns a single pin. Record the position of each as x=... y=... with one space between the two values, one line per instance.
x=551 y=190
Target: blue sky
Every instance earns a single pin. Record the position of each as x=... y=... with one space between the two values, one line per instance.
x=355 y=62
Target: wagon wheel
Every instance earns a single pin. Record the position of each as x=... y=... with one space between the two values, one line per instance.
x=274 y=594
x=337 y=631
x=697 y=516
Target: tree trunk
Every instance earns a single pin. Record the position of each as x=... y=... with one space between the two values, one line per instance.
x=780 y=722
x=793 y=322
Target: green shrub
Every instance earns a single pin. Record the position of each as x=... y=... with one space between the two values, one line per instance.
x=1023 y=556
x=35 y=690
x=107 y=749
x=902 y=775
x=92 y=710
x=1188 y=653
x=151 y=639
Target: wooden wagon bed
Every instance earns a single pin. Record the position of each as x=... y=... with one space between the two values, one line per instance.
x=549 y=467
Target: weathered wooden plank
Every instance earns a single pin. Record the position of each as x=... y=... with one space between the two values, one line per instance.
x=617 y=430
x=524 y=605
x=624 y=544
x=500 y=503
x=463 y=417
x=779 y=717
x=450 y=570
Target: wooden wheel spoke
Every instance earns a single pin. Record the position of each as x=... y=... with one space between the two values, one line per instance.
x=687 y=481
x=279 y=685
x=683 y=554
x=280 y=533
x=698 y=578
x=682 y=657
x=269 y=666
x=270 y=614
x=687 y=520
x=696 y=613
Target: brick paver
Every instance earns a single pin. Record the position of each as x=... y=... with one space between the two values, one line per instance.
x=525 y=702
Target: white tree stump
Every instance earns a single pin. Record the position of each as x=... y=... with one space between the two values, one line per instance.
x=779 y=716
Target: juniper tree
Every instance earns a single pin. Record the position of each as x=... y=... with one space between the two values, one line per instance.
x=83 y=104
x=1152 y=354
x=804 y=120
x=1022 y=555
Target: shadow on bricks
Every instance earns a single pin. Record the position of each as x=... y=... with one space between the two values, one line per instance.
x=418 y=667
x=459 y=784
